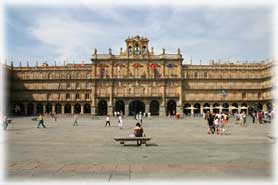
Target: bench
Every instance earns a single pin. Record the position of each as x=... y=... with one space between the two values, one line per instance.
x=143 y=140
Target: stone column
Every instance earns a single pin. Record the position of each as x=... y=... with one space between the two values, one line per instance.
x=201 y=109
x=63 y=109
x=126 y=109
x=35 y=108
x=82 y=109
x=53 y=108
x=162 y=111
x=211 y=108
x=43 y=108
x=25 y=108
x=110 y=110
x=93 y=110
x=72 y=109
x=147 y=108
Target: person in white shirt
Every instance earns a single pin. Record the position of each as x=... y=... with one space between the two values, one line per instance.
x=120 y=122
x=107 y=120
x=75 y=120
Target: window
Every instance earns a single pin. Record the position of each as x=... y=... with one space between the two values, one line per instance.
x=68 y=96
x=137 y=50
x=243 y=95
x=49 y=76
x=196 y=74
x=206 y=74
x=87 y=85
x=59 y=95
x=59 y=86
x=87 y=96
x=68 y=76
x=144 y=50
x=259 y=95
x=77 y=96
x=68 y=85
x=88 y=75
x=129 y=50
x=77 y=85
x=78 y=75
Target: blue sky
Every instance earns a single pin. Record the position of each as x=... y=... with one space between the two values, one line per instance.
x=48 y=33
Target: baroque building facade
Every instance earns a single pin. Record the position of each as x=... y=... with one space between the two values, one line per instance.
x=138 y=80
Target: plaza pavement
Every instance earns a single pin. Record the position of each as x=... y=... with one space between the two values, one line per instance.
x=179 y=149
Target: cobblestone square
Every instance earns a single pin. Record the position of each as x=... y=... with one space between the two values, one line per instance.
x=179 y=149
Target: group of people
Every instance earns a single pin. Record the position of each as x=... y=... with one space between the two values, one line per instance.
x=120 y=121
x=216 y=123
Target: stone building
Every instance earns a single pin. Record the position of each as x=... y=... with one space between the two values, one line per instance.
x=138 y=80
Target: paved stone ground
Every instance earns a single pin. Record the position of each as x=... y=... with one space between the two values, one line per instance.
x=180 y=149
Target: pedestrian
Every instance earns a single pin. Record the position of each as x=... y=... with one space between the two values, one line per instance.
x=260 y=116
x=5 y=122
x=244 y=119
x=41 y=121
x=149 y=115
x=107 y=120
x=140 y=117
x=120 y=122
x=253 y=117
x=210 y=124
x=75 y=117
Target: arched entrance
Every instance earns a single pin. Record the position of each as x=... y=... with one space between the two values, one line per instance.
x=102 y=108
x=154 y=108
x=206 y=107
x=120 y=107
x=269 y=107
x=30 y=109
x=215 y=108
x=48 y=108
x=136 y=107
x=235 y=108
x=67 y=108
x=87 y=108
x=58 y=109
x=186 y=109
x=171 y=107
x=225 y=108
x=39 y=108
x=77 y=108
x=197 y=109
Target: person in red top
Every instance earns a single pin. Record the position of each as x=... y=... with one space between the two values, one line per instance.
x=260 y=116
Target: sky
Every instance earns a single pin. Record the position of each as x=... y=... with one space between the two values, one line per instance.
x=57 y=33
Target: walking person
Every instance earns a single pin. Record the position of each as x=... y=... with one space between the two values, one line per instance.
x=120 y=122
x=140 y=117
x=75 y=120
x=41 y=122
x=107 y=120
x=253 y=117
x=244 y=119
x=5 y=122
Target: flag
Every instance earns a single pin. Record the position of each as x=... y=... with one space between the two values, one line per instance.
x=152 y=66
x=169 y=65
x=136 y=65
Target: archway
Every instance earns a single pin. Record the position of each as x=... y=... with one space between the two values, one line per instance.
x=58 y=109
x=67 y=108
x=77 y=108
x=39 y=108
x=136 y=107
x=260 y=106
x=206 y=107
x=269 y=106
x=120 y=107
x=215 y=109
x=186 y=109
x=197 y=109
x=235 y=109
x=48 y=108
x=30 y=109
x=154 y=108
x=87 y=108
x=102 y=108
x=171 y=107
x=225 y=108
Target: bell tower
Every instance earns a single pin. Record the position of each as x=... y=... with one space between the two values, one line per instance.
x=137 y=46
